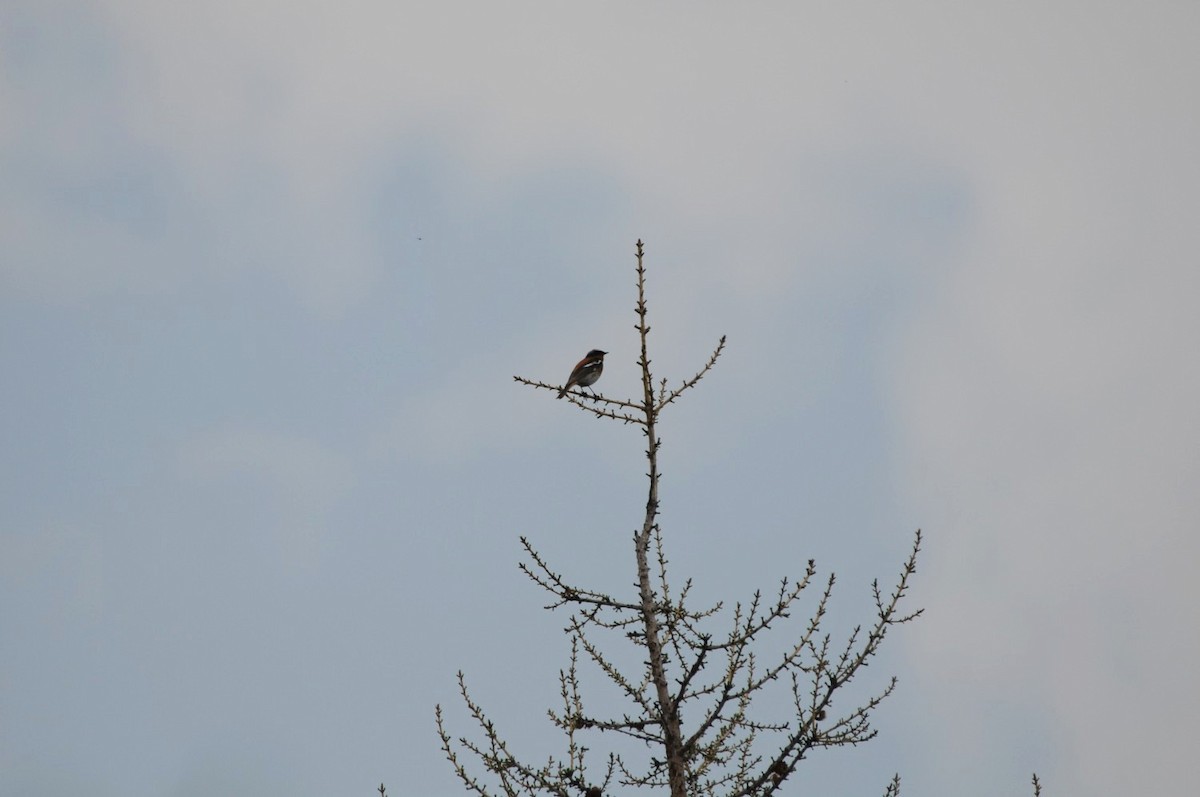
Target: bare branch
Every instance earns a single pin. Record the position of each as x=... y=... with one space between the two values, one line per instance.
x=665 y=399
x=553 y=583
x=577 y=395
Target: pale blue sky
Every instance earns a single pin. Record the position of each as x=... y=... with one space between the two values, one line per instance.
x=267 y=269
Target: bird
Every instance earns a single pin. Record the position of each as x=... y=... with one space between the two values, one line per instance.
x=586 y=371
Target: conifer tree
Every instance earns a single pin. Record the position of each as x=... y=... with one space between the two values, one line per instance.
x=713 y=707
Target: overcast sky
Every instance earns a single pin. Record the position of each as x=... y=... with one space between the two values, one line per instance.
x=267 y=270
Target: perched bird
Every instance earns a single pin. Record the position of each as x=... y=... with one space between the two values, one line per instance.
x=586 y=371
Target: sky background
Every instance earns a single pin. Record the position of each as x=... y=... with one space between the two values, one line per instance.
x=267 y=270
